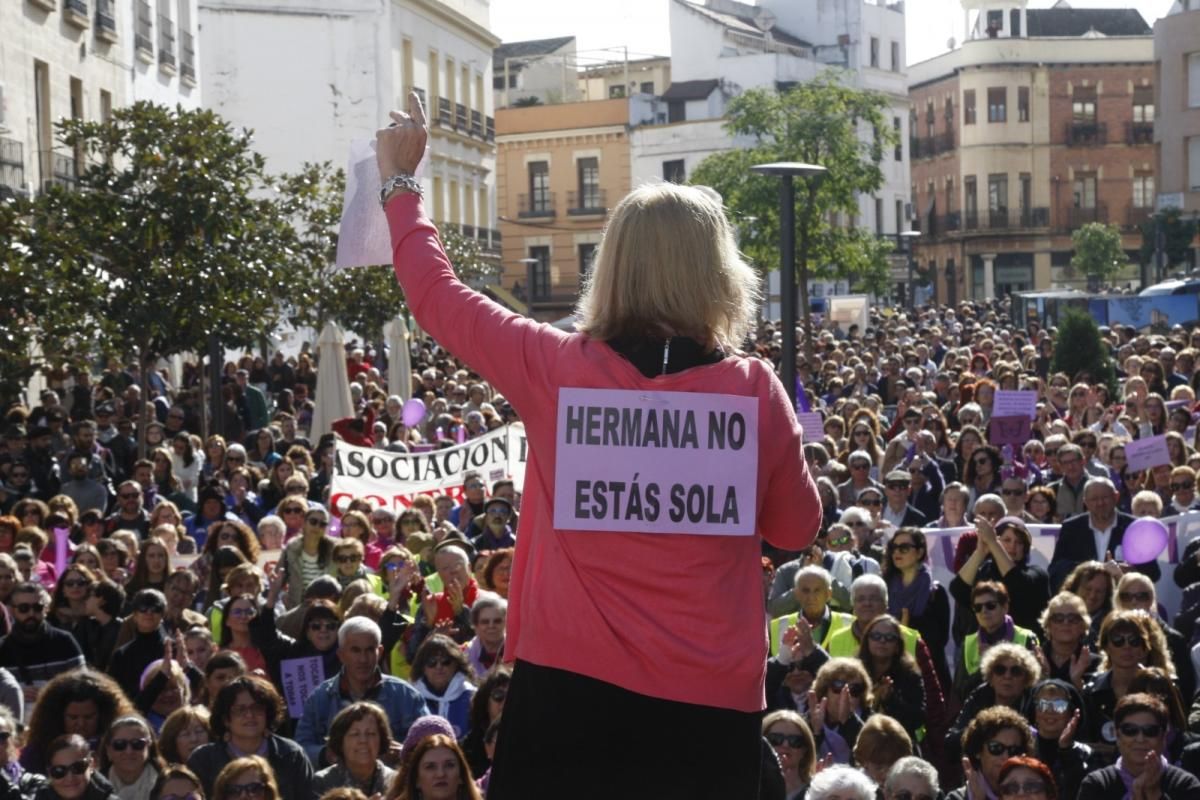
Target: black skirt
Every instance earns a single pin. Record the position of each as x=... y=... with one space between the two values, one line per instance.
x=565 y=736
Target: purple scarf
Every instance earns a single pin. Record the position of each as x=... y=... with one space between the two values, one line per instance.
x=1127 y=777
x=1005 y=635
x=914 y=597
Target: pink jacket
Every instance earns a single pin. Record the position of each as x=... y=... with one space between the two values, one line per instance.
x=674 y=616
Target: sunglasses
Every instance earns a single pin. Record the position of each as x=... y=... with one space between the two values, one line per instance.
x=981 y=462
x=1127 y=639
x=986 y=605
x=246 y=789
x=128 y=495
x=292 y=511
x=75 y=584
x=860 y=467
x=792 y=740
x=1129 y=730
x=149 y=610
x=1000 y=748
x=1002 y=670
x=138 y=745
x=1063 y=619
x=904 y=487
x=903 y=547
x=348 y=559
x=25 y=608
x=242 y=612
x=884 y=638
x=1053 y=706
x=58 y=772
x=1135 y=597
x=1012 y=492
x=870 y=502
x=1182 y=487
x=317 y=522
x=316 y=627
x=1022 y=788
x=440 y=662
x=838 y=542
x=856 y=689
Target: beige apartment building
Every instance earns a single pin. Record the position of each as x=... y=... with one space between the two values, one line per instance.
x=1042 y=121
x=559 y=169
x=1177 y=104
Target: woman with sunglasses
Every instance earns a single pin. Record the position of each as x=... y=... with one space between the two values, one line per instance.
x=319 y=627
x=914 y=597
x=68 y=605
x=1136 y=592
x=899 y=688
x=1066 y=654
x=443 y=676
x=837 y=705
x=1057 y=713
x=993 y=736
x=1141 y=772
x=1128 y=641
x=790 y=738
x=486 y=707
x=129 y=758
x=308 y=556
x=1009 y=672
x=248 y=778
x=1156 y=682
x=347 y=564
x=71 y=773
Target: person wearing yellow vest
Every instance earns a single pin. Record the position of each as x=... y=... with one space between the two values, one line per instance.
x=989 y=601
x=813 y=591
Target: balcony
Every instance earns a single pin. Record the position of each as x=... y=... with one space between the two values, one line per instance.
x=460 y=118
x=444 y=114
x=143 y=32
x=1086 y=133
x=477 y=124
x=592 y=200
x=187 y=57
x=1005 y=220
x=106 y=21
x=12 y=165
x=62 y=170
x=421 y=94
x=1078 y=217
x=970 y=220
x=538 y=204
x=931 y=146
x=489 y=131
x=489 y=240
x=1136 y=215
x=76 y=13
x=1139 y=133
x=166 y=43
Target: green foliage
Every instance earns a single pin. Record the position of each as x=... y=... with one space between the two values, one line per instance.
x=1079 y=348
x=1178 y=234
x=1098 y=250
x=819 y=122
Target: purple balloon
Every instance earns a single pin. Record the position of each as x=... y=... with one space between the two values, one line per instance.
x=1144 y=540
x=61 y=548
x=335 y=526
x=413 y=412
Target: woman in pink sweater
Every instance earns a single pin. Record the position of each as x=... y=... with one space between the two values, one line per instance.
x=658 y=458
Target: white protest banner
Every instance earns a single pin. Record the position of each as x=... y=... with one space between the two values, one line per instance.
x=1013 y=403
x=656 y=462
x=393 y=480
x=300 y=676
x=812 y=425
x=1146 y=453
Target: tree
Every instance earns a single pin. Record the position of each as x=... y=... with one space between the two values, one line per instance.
x=820 y=122
x=1079 y=349
x=361 y=299
x=1098 y=252
x=1178 y=234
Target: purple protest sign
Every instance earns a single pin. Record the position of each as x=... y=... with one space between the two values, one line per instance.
x=802 y=404
x=300 y=677
x=1010 y=431
x=62 y=546
x=656 y=462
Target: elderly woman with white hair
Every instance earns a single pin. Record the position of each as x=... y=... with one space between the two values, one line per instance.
x=598 y=568
x=911 y=778
x=488 y=617
x=840 y=782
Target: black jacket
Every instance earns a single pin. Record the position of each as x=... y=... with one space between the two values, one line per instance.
x=1106 y=784
x=130 y=660
x=292 y=770
x=1071 y=765
x=1075 y=544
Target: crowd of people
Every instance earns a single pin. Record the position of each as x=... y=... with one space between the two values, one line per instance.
x=158 y=601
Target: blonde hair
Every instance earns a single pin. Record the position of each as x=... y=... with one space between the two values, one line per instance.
x=668 y=264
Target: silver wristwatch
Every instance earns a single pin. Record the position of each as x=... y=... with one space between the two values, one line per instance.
x=402 y=181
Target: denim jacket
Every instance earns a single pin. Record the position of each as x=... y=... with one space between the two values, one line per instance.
x=398 y=699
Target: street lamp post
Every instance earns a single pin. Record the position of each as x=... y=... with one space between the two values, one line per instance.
x=910 y=239
x=788 y=170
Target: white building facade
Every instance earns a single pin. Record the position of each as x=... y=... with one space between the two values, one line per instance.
x=309 y=80
x=80 y=59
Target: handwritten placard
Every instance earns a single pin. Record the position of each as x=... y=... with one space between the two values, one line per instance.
x=1013 y=403
x=1147 y=453
x=300 y=676
x=812 y=425
x=1010 y=430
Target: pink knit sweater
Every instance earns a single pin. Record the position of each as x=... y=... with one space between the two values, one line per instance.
x=668 y=615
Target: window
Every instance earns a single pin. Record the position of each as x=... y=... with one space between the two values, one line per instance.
x=949 y=114
x=539 y=187
x=895 y=56
x=1143 y=104
x=587 y=252
x=970 y=202
x=879 y=215
x=900 y=214
x=1083 y=105
x=1026 y=198
x=1014 y=22
x=1193 y=80
x=899 y=152
x=1083 y=190
x=995 y=23
x=1143 y=190
x=1193 y=151
x=616 y=91
x=434 y=89
x=676 y=111
x=998 y=200
x=968 y=107
x=1022 y=104
x=997 y=104
x=450 y=95
x=874 y=51
x=647 y=87
x=929 y=118
x=674 y=171
x=588 y=170
x=539 y=273
x=950 y=204
x=105 y=106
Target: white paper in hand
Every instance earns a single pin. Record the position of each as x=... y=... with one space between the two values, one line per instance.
x=363 y=238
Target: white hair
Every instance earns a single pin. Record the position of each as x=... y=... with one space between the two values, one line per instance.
x=457 y=552
x=357 y=625
x=815 y=571
x=485 y=600
x=918 y=767
x=842 y=780
x=868 y=580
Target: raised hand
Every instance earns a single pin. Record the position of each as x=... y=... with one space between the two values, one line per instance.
x=975 y=780
x=429 y=604
x=1079 y=665
x=400 y=147
x=1068 y=733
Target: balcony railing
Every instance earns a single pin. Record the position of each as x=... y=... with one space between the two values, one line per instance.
x=143 y=30
x=1006 y=219
x=1139 y=133
x=444 y=112
x=490 y=240
x=1136 y=215
x=932 y=145
x=1078 y=217
x=460 y=117
x=187 y=55
x=106 y=20
x=477 y=124
x=489 y=130
x=970 y=220
x=166 y=41
x=538 y=204
x=592 y=200
x=12 y=164
x=62 y=169
x=76 y=12
x=1087 y=133
x=421 y=94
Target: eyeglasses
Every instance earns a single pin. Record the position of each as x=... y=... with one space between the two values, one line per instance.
x=1003 y=670
x=498 y=512
x=839 y=541
x=986 y=605
x=291 y=511
x=1126 y=639
x=1063 y=619
x=792 y=740
x=138 y=745
x=1182 y=487
x=498 y=695
x=149 y=610
x=1135 y=597
x=473 y=485
x=884 y=638
x=997 y=748
x=255 y=789
x=903 y=547
x=242 y=612
x=58 y=772
x=856 y=689
x=317 y=627
x=1012 y=492
x=1059 y=706
x=1022 y=788
x=26 y=608
x=348 y=559
x=78 y=583
x=440 y=662
x=317 y=522
x=1129 y=730
x=250 y=709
